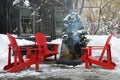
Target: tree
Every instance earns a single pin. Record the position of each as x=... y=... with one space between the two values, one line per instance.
x=111 y=17
x=101 y=16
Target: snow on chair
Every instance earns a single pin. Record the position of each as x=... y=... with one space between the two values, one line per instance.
x=41 y=42
x=105 y=63
x=19 y=62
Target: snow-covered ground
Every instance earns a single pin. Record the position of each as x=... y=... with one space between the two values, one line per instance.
x=64 y=72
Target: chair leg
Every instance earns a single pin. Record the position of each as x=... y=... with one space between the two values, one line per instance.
x=86 y=64
x=90 y=64
x=6 y=67
x=37 y=62
x=55 y=57
x=22 y=66
x=37 y=65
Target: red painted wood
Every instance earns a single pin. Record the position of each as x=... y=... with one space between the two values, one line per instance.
x=106 y=49
x=41 y=43
x=19 y=62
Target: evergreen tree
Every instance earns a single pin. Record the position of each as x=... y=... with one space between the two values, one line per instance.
x=83 y=40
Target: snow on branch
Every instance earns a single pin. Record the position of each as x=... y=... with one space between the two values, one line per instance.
x=15 y=2
x=26 y=3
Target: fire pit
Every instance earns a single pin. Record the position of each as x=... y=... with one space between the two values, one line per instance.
x=72 y=43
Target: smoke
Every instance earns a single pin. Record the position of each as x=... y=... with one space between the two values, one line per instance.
x=73 y=22
x=73 y=30
x=73 y=25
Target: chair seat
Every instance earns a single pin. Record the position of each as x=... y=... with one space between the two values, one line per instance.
x=52 y=52
x=93 y=58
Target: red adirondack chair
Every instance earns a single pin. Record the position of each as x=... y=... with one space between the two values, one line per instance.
x=41 y=43
x=19 y=63
x=90 y=59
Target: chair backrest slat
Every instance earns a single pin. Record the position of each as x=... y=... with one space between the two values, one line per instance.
x=15 y=47
x=106 y=46
x=41 y=42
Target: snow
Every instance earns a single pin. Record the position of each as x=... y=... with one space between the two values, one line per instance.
x=16 y=2
x=72 y=15
x=56 y=70
x=26 y=3
x=39 y=20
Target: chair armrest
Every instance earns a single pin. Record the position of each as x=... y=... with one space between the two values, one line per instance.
x=25 y=47
x=36 y=51
x=93 y=47
x=30 y=49
x=88 y=49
